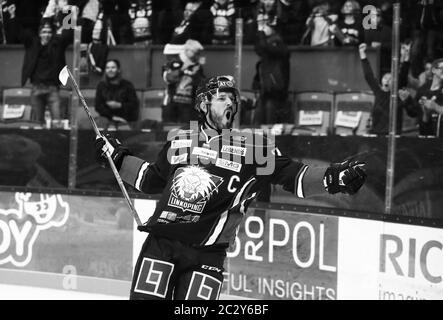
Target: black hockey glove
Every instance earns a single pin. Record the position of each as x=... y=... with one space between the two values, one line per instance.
x=346 y=177
x=113 y=147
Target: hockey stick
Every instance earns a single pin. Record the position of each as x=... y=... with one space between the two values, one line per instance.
x=66 y=74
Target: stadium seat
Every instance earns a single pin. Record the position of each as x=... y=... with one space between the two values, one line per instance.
x=17 y=96
x=312 y=111
x=16 y=110
x=353 y=113
x=151 y=104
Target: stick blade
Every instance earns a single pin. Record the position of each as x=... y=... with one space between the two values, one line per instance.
x=64 y=76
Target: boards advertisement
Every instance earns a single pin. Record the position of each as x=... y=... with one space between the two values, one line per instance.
x=79 y=238
x=284 y=255
x=389 y=261
x=90 y=244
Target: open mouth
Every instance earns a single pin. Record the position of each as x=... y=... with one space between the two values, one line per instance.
x=229 y=114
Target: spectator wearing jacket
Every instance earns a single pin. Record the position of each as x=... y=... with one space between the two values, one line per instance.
x=223 y=14
x=44 y=58
x=428 y=102
x=142 y=20
x=348 y=29
x=427 y=29
x=272 y=77
x=318 y=25
x=196 y=24
x=182 y=75
x=265 y=12
x=382 y=93
x=116 y=100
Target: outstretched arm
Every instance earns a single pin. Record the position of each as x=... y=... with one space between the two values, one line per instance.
x=346 y=177
x=312 y=181
x=305 y=181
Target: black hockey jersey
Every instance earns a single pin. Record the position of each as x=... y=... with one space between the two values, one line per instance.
x=207 y=181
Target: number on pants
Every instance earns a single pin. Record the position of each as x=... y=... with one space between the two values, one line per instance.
x=153 y=277
x=203 y=287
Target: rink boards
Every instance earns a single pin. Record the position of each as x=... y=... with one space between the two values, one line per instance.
x=87 y=244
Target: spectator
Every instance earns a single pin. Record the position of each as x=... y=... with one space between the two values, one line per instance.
x=87 y=15
x=196 y=24
x=9 y=33
x=272 y=77
x=297 y=13
x=247 y=9
x=182 y=74
x=348 y=29
x=428 y=101
x=223 y=13
x=381 y=37
x=44 y=58
x=141 y=14
x=113 y=25
x=115 y=99
x=170 y=15
x=267 y=12
x=382 y=93
x=318 y=26
x=427 y=33
x=425 y=76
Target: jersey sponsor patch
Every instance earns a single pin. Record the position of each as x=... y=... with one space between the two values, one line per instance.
x=180 y=158
x=181 y=131
x=167 y=217
x=181 y=143
x=229 y=165
x=234 y=150
x=205 y=153
x=192 y=187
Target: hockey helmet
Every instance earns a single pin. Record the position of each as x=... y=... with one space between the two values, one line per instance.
x=213 y=86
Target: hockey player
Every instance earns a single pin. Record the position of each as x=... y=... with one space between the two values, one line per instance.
x=208 y=174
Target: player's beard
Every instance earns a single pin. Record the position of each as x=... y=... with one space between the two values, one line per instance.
x=221 y=121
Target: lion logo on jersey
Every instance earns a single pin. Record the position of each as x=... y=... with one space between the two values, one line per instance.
x=192 y=187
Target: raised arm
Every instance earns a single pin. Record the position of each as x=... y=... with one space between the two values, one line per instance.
x=367 y=70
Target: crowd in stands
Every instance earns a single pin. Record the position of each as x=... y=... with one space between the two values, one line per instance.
x=270 y=25
x=312 y=22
